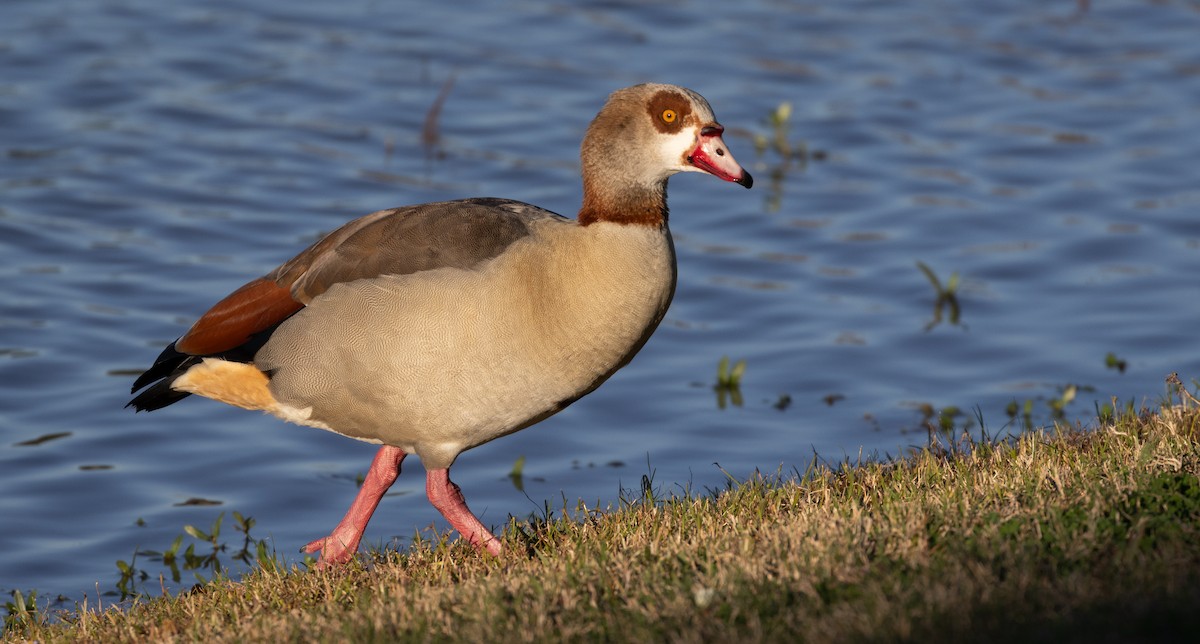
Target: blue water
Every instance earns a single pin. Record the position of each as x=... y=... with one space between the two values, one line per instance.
x=157 y=156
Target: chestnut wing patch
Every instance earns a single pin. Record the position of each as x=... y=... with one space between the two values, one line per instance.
x=232 y=322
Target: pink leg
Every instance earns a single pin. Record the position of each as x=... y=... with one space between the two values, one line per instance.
x=339 y=547
x=448 y=499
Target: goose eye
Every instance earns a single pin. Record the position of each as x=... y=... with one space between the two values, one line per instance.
x=668 y=116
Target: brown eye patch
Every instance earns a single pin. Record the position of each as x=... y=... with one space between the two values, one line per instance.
x=669 y=111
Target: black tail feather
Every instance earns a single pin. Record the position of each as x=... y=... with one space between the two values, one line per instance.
x=169 y=365
x=159 y=395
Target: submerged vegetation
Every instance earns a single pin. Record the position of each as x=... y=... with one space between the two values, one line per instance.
x=202 y=562
x=1058 y=534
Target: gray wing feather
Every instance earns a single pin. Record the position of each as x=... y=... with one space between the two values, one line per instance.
x=411 y=239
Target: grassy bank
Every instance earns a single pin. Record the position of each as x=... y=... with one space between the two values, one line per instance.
x=1059 y=535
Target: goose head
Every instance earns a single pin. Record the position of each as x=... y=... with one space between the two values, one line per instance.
x=645 y=134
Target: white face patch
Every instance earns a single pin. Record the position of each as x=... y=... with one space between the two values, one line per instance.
x=673 y=150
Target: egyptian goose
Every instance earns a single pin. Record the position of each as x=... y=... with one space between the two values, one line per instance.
x=435 y=328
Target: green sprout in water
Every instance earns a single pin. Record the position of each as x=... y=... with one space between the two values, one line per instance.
x=778 y=140
x=1025 y=410
x=728 y=378
x=947 y=296
x=1113 y=362
x=1067 y=394
x=729 y=382
x=517 y=473
x=950 y=424
x=779 y=121
x=947 y=418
